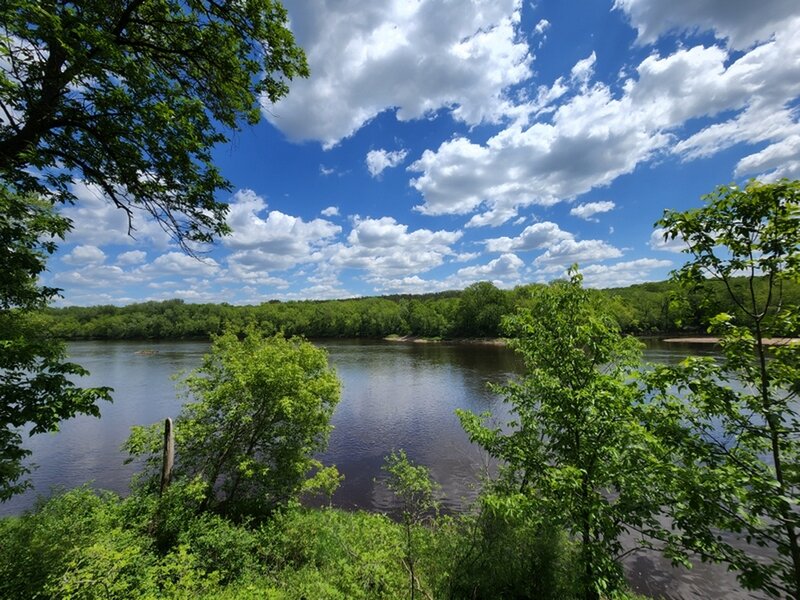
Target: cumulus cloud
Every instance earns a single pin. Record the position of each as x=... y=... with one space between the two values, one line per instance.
x=597 y=135
x=658 y=242
x=97 y=222
x=275 y=241
x=588 y=210
x=415 y=57
x=622 y=274
x=502 y=269
x=85 y=255
x=781 y=159
x=331 y=211
x=178 y=263
x=584 y=69
x=741 y=23
x=384 y=248
x=380 y=160
x=133 y=257
x=542 y=26
x=533 y=237
x=569 y=251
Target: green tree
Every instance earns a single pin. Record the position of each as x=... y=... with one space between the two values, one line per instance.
x=261 y=409
x=133 y=95
x=414 y=488
x=36 y=387
x=734 y=430
x=130 y=96
x=576 y=454
x=480 y=308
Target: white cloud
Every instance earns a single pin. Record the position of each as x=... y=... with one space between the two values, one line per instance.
x=106 y=277
x=331 y=211
x=740 y=22
x=385 y=249
x=85 y=255
x=323 y=170
x=415 y=57
x=290 y=239
x=569 y=251
x=542 y=26
x=97 y=222
x=133 y=257
x=781 y=159
x=379 y=160
x=622 y=274
x=657 y=242
x=533 y=237
x=502 y=269
x=408 y=285
x=178 y=263
x=588 y=210
x=584 y=69
x=597 y=135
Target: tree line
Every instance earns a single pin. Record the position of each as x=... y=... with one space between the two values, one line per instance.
x=476 y=312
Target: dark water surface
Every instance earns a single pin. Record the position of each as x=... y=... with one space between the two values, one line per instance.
x=394 y=395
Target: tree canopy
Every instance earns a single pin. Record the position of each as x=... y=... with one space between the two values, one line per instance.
x=132 y=95
x=36 y=390
x=733 y=428
x=259 y=410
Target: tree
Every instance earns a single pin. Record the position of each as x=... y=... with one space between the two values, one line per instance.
x=734 y=429
x=261 y=409
x=480 y=308
x=576 y=454
x=36 y=390
x=132 y=96
x=412 y=485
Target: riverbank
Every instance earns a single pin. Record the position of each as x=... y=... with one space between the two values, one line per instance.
x=415 y=339
x=715 y=340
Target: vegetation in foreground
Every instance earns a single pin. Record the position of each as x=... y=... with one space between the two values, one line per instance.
x=85 y=544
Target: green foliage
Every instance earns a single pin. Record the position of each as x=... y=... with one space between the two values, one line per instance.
x=37 y=549
x=576 y=454
x=36 y=387
x=261 y=410
x=493 y=557
x=413 y=487
x=733 y=431
x=480 y=308
x=132 y=97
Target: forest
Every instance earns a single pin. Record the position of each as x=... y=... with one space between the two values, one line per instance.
x=656 y=308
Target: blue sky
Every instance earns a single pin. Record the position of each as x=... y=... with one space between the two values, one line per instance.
x=438 y=143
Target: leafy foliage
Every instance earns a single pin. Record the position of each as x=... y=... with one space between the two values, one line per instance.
x=261 y=409
x=576 y=454
x=413 y=486
x=36 y=386
x=734 y=431
x=132 y=96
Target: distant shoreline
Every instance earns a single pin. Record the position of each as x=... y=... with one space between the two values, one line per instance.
x=715 y=340
x=415 y=339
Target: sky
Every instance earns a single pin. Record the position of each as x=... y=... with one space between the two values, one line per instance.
x=438 y=143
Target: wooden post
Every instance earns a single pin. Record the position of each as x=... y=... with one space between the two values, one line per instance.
x=169 y=454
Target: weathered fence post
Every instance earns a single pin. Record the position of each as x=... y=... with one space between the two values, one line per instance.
x=169 y=454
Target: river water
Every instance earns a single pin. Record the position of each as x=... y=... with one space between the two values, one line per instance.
x=394 y=395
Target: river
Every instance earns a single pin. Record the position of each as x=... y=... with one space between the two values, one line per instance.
x=394 y=395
